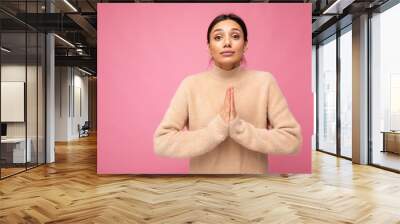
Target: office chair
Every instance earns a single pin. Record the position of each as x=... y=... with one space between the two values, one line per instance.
x=84 y=130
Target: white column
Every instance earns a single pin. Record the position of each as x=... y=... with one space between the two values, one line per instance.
x=360 y=90
x=50 y=92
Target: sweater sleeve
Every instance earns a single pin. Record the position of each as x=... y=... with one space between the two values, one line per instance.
x=283 y=138
x=170 y=140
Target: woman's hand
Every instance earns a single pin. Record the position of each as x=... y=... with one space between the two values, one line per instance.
x=232 y=111
x=228 y=111
x=225 y=110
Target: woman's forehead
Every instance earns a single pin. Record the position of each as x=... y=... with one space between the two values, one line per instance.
x=226 y=25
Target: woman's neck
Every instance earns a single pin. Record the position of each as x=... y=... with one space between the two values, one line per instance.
x=227 y=67
x=233 y=74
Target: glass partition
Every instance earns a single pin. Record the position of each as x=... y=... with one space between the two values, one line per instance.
x=346 y=93
x=32 y=95
x=385 y=89
x=22 y=77
x=327 y=95
x=13 y=108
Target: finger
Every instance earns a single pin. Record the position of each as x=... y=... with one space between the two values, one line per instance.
x=233 y=110
x=227 y=103
x=230 y=98
x=232 y=91
x=233 y=100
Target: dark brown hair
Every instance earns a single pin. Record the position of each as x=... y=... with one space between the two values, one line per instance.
x=223 y=17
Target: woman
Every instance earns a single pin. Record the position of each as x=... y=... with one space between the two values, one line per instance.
x=227 y=110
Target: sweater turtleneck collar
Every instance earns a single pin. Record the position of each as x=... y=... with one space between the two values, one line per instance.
x=231 y=75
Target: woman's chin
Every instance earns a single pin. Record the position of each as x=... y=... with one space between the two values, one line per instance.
x=228 y=61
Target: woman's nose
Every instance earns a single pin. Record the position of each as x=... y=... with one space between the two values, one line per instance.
x=227 y=41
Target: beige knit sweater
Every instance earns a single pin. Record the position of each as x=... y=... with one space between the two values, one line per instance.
x=264 y=124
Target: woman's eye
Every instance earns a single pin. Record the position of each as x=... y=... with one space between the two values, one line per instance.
x=236 y=36
x=217 y=37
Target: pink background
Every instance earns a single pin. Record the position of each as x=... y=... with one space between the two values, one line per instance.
x=146 y=49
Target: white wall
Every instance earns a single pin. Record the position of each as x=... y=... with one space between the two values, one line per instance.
x=9 y=73
x=15 y=72
x=34 y=125
x=79 y=112
x=61 y=103
x=70 y=83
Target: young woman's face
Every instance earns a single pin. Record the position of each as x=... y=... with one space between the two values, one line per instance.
x=227 y=44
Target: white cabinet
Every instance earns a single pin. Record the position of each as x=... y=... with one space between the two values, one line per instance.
x=18 y=149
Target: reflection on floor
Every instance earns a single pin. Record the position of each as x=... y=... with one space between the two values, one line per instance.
x=386 y=159
x=71 y=191
x=10 y=169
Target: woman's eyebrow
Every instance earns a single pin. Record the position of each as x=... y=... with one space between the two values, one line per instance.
x=236 y=29
x=219 y=29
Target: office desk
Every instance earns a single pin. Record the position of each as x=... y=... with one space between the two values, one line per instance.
x=391 y=141
x=13 y=150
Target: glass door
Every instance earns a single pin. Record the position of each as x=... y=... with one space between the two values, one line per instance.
x=346 y=92
x=385 y=89
x=327 y=95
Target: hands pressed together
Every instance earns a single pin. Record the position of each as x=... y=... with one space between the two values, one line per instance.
x=228 y=110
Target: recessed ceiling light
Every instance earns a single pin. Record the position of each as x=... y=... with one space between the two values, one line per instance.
x=338 y=6
x=70 y=5
x=5 y=50
x=64 y=40
x=86 y=72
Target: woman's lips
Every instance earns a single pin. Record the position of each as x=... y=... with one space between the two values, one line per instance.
x=227 y=53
